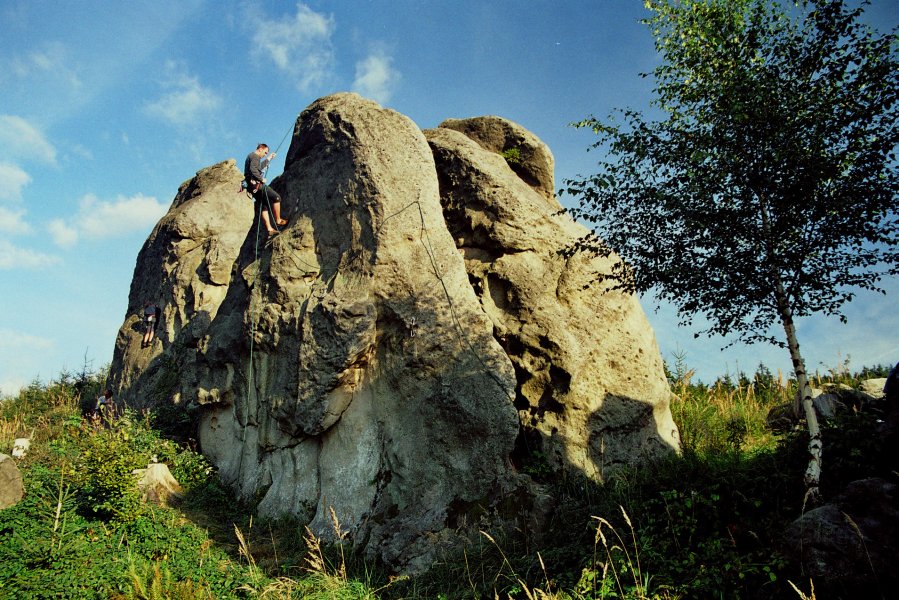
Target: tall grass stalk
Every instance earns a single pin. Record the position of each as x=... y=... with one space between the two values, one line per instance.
x=631 y=565
x=801 y=593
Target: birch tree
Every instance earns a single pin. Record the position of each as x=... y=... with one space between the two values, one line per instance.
x=767 y=189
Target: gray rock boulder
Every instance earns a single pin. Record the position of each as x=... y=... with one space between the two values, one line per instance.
x=185 y=266
x=849 y=546
x=11 y=487
x=366 y=362
x=591 y=391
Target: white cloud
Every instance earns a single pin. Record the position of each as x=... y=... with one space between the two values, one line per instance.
x=11 y=221
x=14 y=346
x=186 y=101
x=23 y=341
x=50 y=60
x=13 y=179
x=11 y=387
x=107 y=218
x=119 y=217
x=299 y=47
x=13 y=257
x=23 y=140
x=63 y=235
x=82 y=152
x=375 y=77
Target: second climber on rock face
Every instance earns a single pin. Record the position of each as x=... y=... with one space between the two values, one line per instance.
x=265 y=197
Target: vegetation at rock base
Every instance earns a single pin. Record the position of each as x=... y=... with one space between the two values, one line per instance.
x=700 y=525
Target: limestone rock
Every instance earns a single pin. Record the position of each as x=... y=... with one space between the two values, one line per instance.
x=591 y=391
x=20 y=447
x=185 y=266
x=529 y=157
x=11 y=487
x=873 y=387
x=157 y=485
x=364 y=360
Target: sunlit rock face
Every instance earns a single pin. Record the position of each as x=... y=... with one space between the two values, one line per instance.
x=406 y=350
x=591 y=392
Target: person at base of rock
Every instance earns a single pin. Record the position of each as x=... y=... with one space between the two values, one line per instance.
x=151 y=320
x=263 y=195
x=104 y=408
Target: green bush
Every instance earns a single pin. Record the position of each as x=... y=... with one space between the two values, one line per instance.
x=81 y=530
x=512 y=156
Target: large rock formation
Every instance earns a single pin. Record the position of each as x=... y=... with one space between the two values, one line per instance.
x=590 y=392
x=409 y=347
x=185 y=266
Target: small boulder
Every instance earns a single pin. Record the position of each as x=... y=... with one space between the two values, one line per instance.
x=157 y=485
x=826 y=404
x=851 y=544
x=873 y=387
x=20 y=447
x=11 y=487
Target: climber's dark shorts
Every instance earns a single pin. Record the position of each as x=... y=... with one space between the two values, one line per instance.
x=266 y=195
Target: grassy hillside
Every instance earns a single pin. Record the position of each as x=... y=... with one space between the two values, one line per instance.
x=701 y=525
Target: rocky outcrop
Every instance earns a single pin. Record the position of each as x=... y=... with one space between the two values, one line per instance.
x=591 y=393
x=11 y=487
x=528 y=157
x=156 y=484
x=409 y=345
x=184 y=266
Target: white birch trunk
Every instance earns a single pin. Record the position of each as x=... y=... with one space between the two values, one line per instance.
x=804 y=393
x=803 y=402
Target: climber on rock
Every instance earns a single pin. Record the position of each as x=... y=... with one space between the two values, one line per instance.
x=265 y=197
x=151 y=320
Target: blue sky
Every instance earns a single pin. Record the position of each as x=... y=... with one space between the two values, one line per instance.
x=107 y=107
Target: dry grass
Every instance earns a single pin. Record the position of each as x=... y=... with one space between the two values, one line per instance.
x=802 y=595
x=10 y=429
x=727 y=416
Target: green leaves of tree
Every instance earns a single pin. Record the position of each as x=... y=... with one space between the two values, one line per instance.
x=774 y=161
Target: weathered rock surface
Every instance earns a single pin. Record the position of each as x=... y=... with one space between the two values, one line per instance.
x=20 y=447
x=591 y=392
x=529 y=157
x=359 y=361
x=849 y=546
x=185 y=266
x=873 y=387
x=11 y=486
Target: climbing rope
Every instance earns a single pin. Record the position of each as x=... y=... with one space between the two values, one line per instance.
x=251 y=382
x=424 y=238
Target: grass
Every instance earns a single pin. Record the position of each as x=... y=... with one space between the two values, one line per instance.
x=702 y=524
